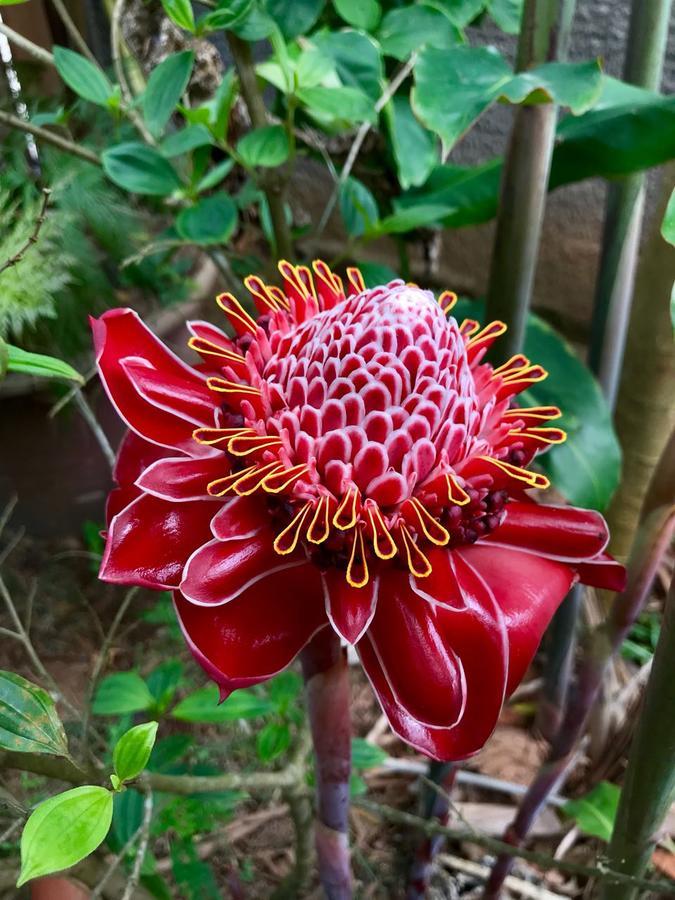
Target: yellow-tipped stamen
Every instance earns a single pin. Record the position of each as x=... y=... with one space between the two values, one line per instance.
x=242 y=445
x=544 y=435
x=469 y=327
x=489 y=333
x=278 y=295
x=211 y=436
x=447 y=300
x=333 y=281
x=210 y=348
x=319 y=528
x=348 y=506
x=355 y=278
x=362 y=581
x=418 y=563
x=292 y=532
x=515 y=362
x=223 y=386
x=543 y=413
x=250 y=483
x=222 y=486
x=235 y=311
x=456 y=493
x=381 y=535
x=257 y=288
x=292 y=273
x=531 y=479
x=527 y=373
x=433 y=530
x=283 y=479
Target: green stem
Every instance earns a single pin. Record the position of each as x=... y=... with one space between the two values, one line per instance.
x=524 y=183
x=647 y=39
x=49 y=137
x=649 y=783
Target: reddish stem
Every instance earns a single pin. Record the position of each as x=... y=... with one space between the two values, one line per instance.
x=436 y=805
x=324 y=665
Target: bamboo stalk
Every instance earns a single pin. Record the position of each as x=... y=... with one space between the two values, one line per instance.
x=324 y=665
x=649 y=784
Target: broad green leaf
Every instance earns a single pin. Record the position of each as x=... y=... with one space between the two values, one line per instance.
x=127 y=817
x=120 y=693
x=203 y=706
x=357 y=786
x=215 y=175
x=507 y=14
x=256 y=25
x=358 y=207
x=375 y=274
x=38 y=364
x=313 y=67
x=210 y=221
x=294 y=17
x=181 y=14
x=132 y=751
x=63 y=830
x=461 y=12
x=83 y=77
x=284 y=688
x=363 y=14
x=338 y=104
x=12 y=2
x=574 y=85
x=668 y=224
x=185 y=140
x=414 y=148
x=273 y=740
x=409 y=218
x=163 y=681
x=140 y=169
x=166 y=86
x=267 y=146
x=29 y=722
x=594 y=813
x=168 y=751
x=366 y=755
x=227 y=14
x=413 y=27
x=357 y=59
x=454 y=87
x=220 y=105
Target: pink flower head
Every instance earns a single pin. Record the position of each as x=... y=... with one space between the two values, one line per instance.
x=346 y=461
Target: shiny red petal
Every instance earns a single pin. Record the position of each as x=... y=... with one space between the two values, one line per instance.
x=564 y=532
x=602 y=572
x=134 y=455
x=183 y=478
x=191 y=400
x=528 y=589
x=240 y=517
x=118 y=499
x=259 y=633
x=349 y=609
x=150 y=541
x=220 y=571
x=120 y=334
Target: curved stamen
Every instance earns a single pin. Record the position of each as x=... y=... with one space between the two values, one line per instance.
x=283 y=479
x=287 y=540
x=357 y=569
x=319 y=527
x=384 y=544
x=447 y=300
x=433 y=530
x=347 y=513
x=456 y=493
x=418 y=563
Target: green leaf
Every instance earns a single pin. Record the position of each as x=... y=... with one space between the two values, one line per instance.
x=210 y=221
x=375 y=274
x=273 y=740
x=63 y=830
x=357 y=59
x=185 y=140
x=203 y=706
x=366 y=755
x=358 y=207
x=120 y=693
x=357 y=786
x=140 y=169
x=215 y=175
x=266 y=146
x=461 y=12
x=409 y=218
x=29 y=722
x=38 y=364
x=255 y=26
x=163 y=681
x=363 y=14
x=284 y=688
x=668 y=224
x=181 y=14
x=220 y=105
x=82 y=76
x=338 y=104
x=166 y=86
x=12 y=2
x=413 y=27
x=414 y=148
x=594 y=813
x=575 y=85
x=507 y=14
x=294 y=17
x=132 y=751
x=226 y=15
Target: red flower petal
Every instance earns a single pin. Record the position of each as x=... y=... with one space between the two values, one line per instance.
x=564 y=532
x=528 y=589
x=259 y=633
x=221 y=570
x=134 y=455
x=119 y=499
x=150 y=541
x=119 y=334
x=240 y=517
x=191 y=400
x=183 y=478
x=602 y=572
x=349 y=609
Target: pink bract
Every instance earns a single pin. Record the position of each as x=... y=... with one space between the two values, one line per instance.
x=346 y=461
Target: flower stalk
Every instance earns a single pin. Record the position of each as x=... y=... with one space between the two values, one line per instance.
x=324 y=665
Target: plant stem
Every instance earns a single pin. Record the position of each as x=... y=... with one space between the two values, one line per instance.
x=435 y=806
x=647 y=37
x=50 y=137
x=324 y=665
x=599 y=647
x=38 y=53
x=524 y=185
x=73 y=31
x=33 y=237
x=274 y=185
x=558 y=669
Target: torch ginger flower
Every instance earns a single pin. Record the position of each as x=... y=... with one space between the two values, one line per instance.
x=346 y=461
